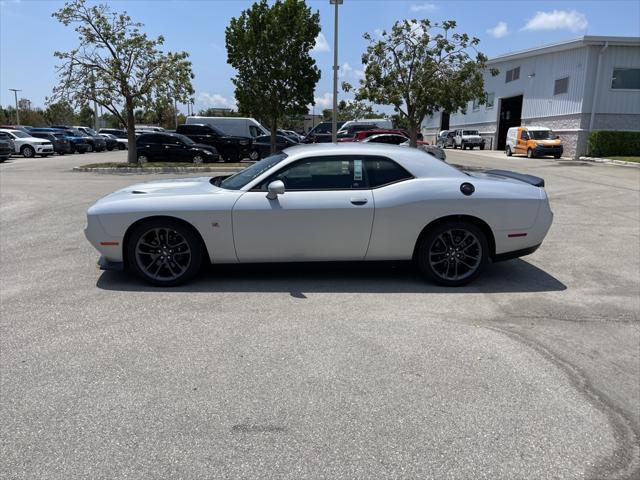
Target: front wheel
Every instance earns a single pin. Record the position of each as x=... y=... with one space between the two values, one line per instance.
x=508 y=151
x=198 y=159
x=164 y=252
x=453 y=254
x=28 y=151
x=530 y=153
x=556 y=156
x=90 y=148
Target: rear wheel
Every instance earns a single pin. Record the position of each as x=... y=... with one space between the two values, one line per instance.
x=508 y=151
x=90 y=148
x=142 y=158
x=453 y=254
x=164 y=252
x=557 y=155
x=198 y=159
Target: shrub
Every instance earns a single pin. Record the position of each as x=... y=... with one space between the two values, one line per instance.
x=604 y=143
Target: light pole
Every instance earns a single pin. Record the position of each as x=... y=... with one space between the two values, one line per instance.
x=15 y=93
x=334 y=122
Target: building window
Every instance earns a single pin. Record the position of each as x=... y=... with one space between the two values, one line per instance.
x=476 y=104
x=513 y=74
x=490 y=100
x=561 y=86
x=626 y=79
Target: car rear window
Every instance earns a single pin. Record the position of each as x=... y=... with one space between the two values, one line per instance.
x=384 y=171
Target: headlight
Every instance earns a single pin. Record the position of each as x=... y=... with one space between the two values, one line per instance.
x=244 y=142
x=208 y=152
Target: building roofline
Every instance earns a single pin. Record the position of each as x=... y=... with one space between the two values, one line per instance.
x=567 y=45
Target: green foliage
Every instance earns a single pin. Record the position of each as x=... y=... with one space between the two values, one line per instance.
x=356 y=110
x=60 y=113
x=117 y=65
x=420 y=67
x=269 y=48
x=85 y=116
x=604 y=143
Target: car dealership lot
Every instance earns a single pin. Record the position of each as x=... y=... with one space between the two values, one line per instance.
x=312 y=371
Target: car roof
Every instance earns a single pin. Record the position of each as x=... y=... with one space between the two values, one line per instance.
x=418 y=162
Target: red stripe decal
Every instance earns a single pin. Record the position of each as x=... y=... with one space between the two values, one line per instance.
x=109 y=244
x=513 y=235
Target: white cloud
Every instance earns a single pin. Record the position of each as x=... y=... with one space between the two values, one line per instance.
x=423 y=7
x=557 y=20
x=325 y=101
x=359 y=73
x=321 y=44
x=345 y=70
x=216 y=100
x=499 y=31
x=378 y=32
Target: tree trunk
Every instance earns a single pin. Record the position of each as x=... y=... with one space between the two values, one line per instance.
x=413 y=135
x=132 y=153
x=274 y=128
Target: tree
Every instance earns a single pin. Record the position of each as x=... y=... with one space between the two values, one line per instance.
x=60 y=113
x=420 y=68
x=116 y=65
x=269 y=48
x=85 y=116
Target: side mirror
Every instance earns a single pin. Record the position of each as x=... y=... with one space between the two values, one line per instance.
x=275 y=188
x=557 y=137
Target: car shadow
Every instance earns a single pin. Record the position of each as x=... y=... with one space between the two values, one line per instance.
x=351 y=277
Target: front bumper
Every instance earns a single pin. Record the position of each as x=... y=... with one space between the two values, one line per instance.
x=81 y=147
x=541 y=151
x=43 y=149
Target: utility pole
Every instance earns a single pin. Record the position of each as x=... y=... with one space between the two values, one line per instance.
x=175 y=110
x=15 y=93
x=334 y=123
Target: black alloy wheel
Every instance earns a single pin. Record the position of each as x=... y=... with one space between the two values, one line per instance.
x=453 y=254
x=164 y=252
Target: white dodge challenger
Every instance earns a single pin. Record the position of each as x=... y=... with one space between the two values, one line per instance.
x=324 y=202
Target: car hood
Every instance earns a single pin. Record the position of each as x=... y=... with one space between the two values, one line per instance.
x=163 y=188
x=204 y=147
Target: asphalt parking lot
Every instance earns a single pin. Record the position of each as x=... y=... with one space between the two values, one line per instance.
x=321 y=371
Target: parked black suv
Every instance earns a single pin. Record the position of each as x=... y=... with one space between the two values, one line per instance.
x=173 y=147
x=6 y=149
x=262 y=144
x=231 y=148
x=321 y=133
x=61 y=144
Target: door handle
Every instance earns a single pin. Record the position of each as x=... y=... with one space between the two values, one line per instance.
x=359 y=201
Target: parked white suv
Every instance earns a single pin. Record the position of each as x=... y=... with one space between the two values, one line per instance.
x=29 y=146
x=467 y=139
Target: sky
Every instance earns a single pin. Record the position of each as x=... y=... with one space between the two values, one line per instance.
x=29 y=35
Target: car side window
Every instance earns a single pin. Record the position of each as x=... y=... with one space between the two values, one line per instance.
x=384 y=171
x=148 y=139
x=524 y=135
x=322 y=173
x=254 y=131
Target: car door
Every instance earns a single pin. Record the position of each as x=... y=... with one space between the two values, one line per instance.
x=521 y=142
x=326 y=213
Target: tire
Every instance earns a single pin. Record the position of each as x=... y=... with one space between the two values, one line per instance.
x=530 y=153
x=90 y=148
x=436 y=249
x=72 y=149
x=120 y=146
x=198 y=159
x=508 y=151
x=110 y=148
x=556 y=156
x=463 y=146
x=28 y=151
x=143 y=158
x=164 y=252
x=230 y=155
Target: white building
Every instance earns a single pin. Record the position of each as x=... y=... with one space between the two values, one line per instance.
x=573 y=87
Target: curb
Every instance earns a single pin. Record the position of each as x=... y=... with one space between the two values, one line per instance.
x=610 y=161
x=158 y=170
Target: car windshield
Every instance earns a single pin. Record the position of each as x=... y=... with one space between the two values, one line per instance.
x=541 y=134
x=470 y=132
x=240 y=179
x=58 y=135
x=91 y=131
x=20 y=134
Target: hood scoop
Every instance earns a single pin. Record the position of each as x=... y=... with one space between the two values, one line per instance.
x=138 y=192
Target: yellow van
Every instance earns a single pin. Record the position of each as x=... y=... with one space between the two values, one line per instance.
x=533 y=142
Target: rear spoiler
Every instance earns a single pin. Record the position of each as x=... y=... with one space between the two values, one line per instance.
x=530 y=179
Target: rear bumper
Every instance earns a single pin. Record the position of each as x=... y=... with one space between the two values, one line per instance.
x=105 y=264
x=515 y=254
